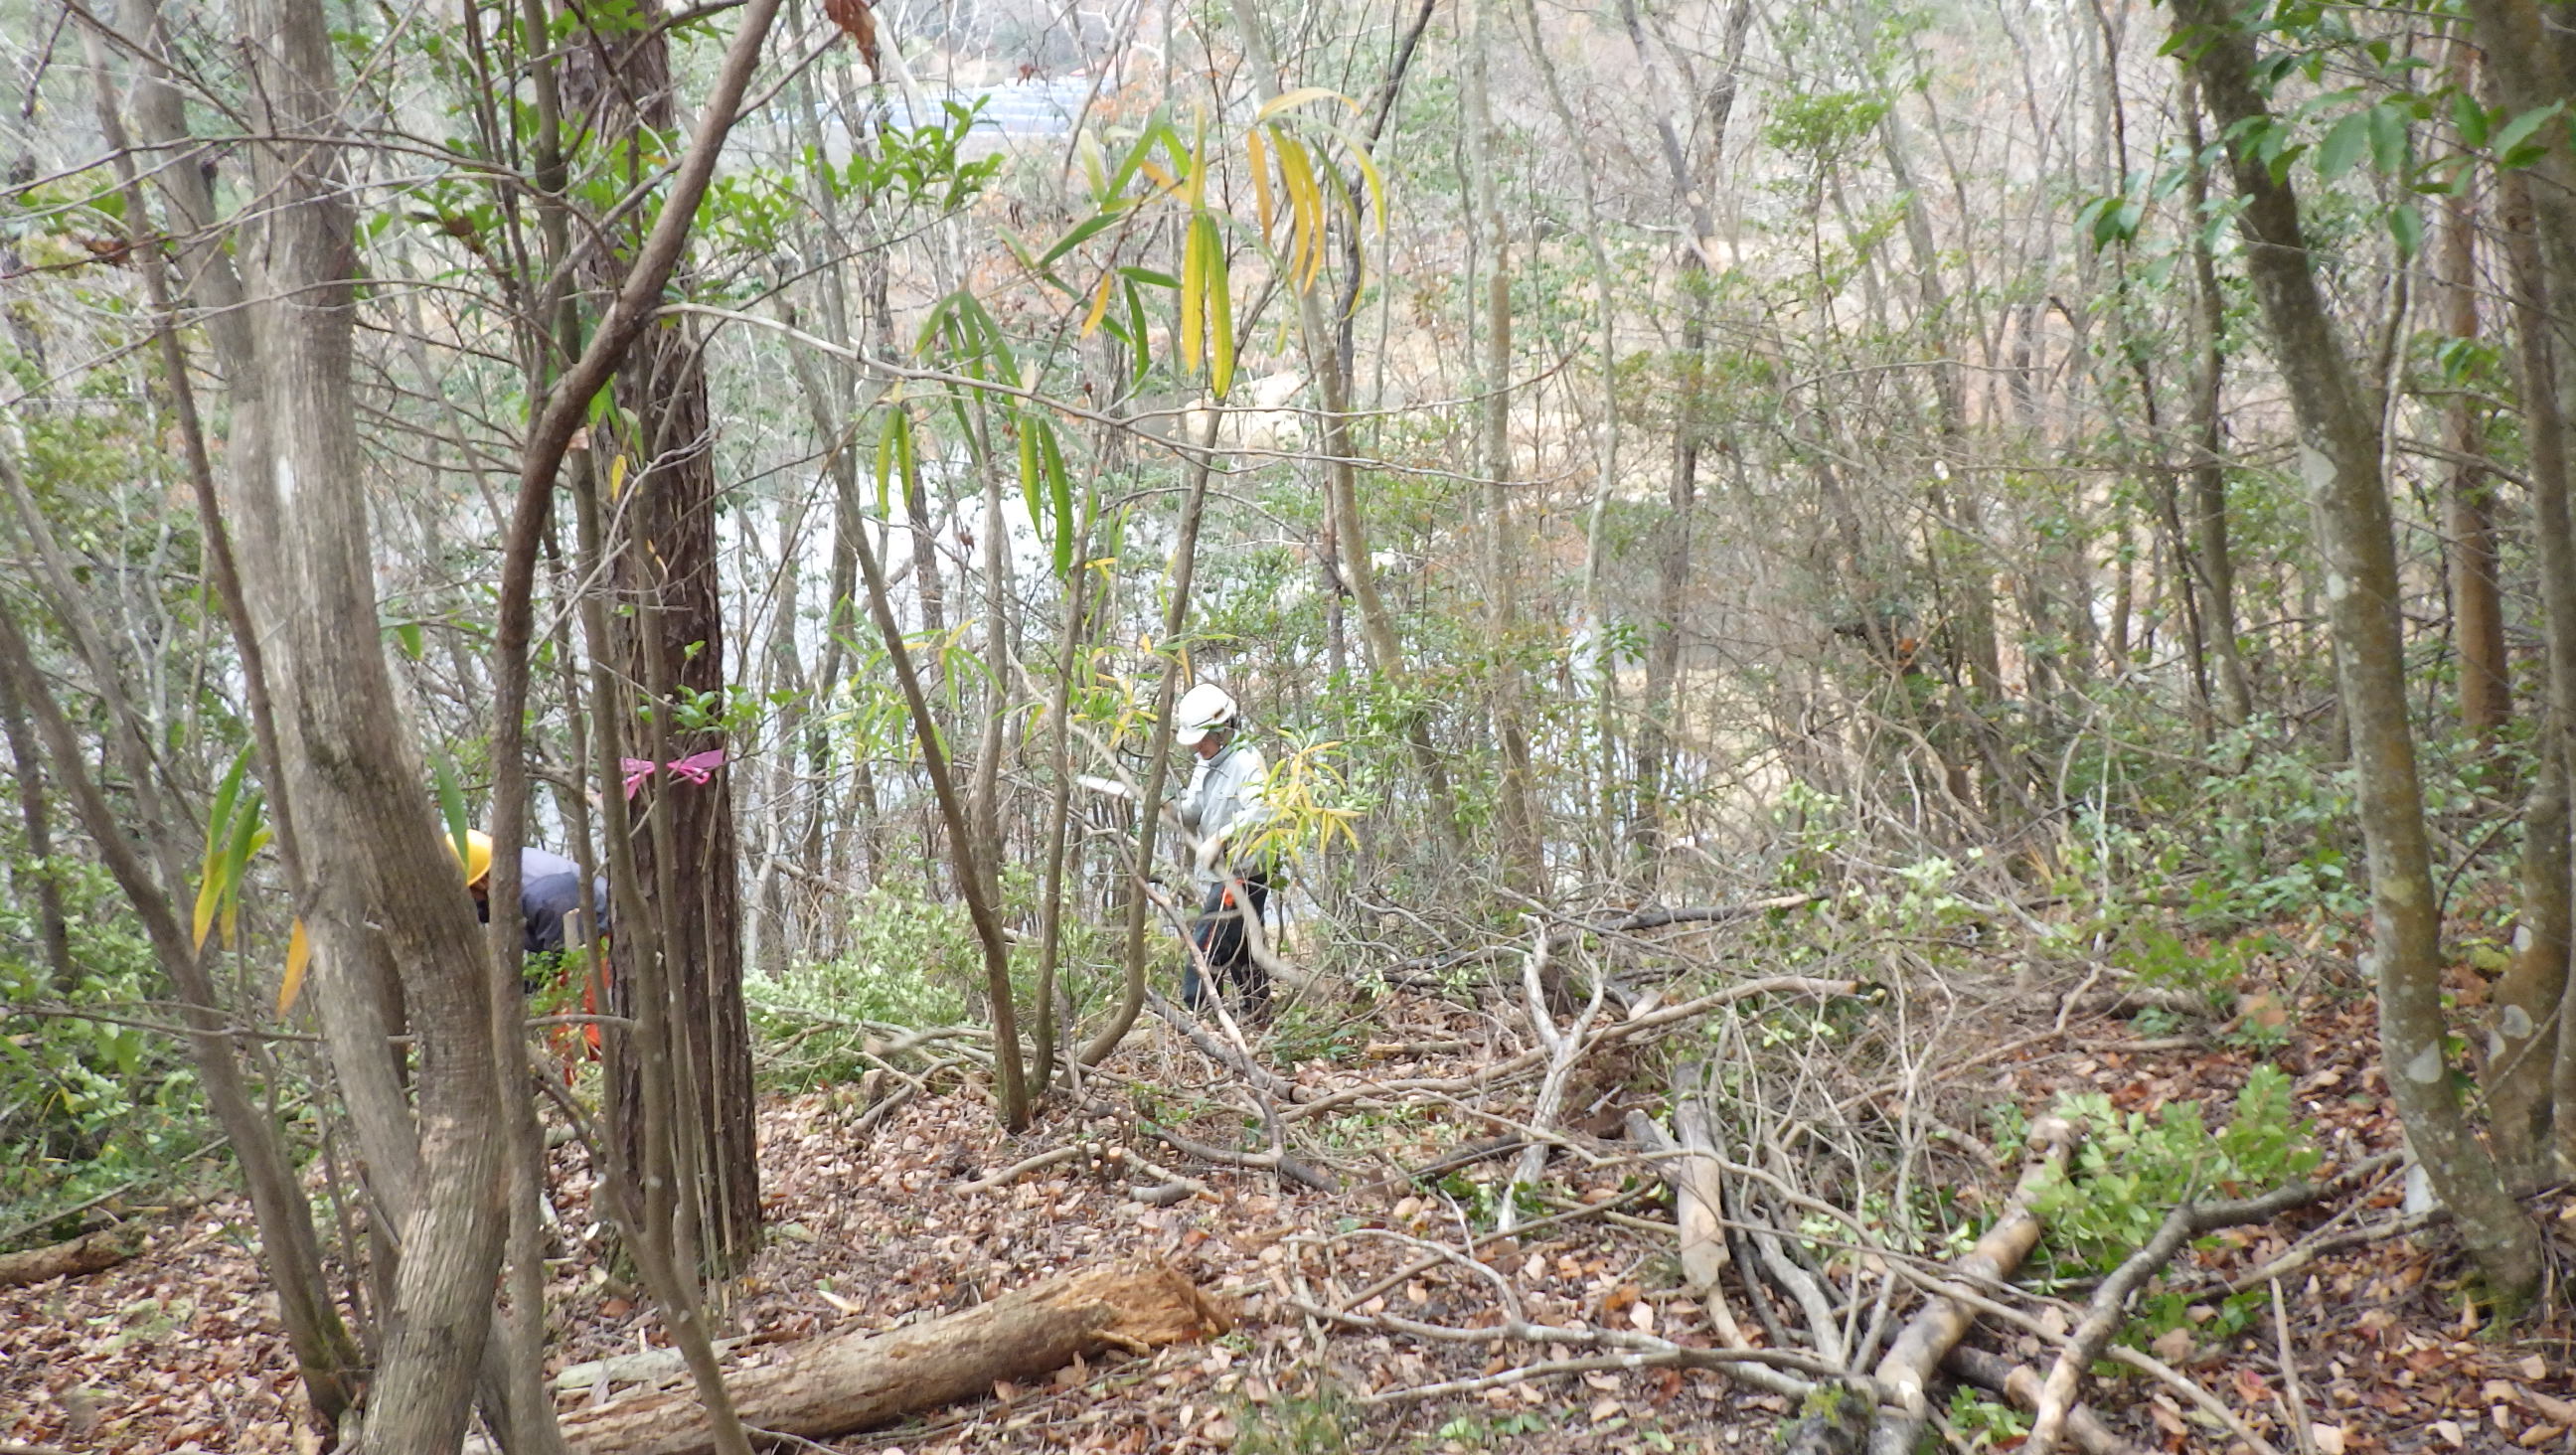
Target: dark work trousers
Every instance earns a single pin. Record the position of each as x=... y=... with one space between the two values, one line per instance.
x=1218 y=934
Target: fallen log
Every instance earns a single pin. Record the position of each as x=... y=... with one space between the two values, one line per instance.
x=83 y=1255
x=818 y=1388
x=1932 y=1333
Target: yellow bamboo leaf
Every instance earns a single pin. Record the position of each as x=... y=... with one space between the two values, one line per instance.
x=1192 y=298
x=1163 y=180
x=1220 y=310
x=1291 y=100
x=1099 y=306
x=616 y=477
x=1259 y=155
x=299 y=953
x=1368 y=169
x=210 y=898
x=1306 y=210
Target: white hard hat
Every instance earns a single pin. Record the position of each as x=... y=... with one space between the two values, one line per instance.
x=1203 y=708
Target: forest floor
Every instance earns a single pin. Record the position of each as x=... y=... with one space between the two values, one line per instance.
x=178 y=1350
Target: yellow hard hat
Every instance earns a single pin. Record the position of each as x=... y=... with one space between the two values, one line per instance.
x=477 y=862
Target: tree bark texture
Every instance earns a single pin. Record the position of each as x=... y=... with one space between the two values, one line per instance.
x=2339 y=453
x=2523 y=1053
x=673 y=647
x=36 y=819
x=2215 y=556
x=384 y=888
x=2528 y=73
x=2468 y=499
x=838 y=1383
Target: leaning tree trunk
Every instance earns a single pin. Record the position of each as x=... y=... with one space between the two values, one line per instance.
x=2339 y=452
x=672 y=649
x=2530 y=73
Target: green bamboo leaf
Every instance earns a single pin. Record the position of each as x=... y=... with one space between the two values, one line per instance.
x=246 y=839
x=1060 y=491
x=1108 y=218
x=1139 y=341
x=889 y=438
x=1030 y=485
x=219 y=838
x=451 y=800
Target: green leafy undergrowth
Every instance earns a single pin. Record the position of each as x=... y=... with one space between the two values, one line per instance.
x=2133 y=1168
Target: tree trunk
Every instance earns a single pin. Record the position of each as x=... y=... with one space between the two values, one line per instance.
x=1502 y=550
x=28 y=772
x=2477 y=603
x=673 y=647
x=838 y=1383
x=1691 y=182
x=2531 y=69
x=2523 y=1083
x=2209 y=472
x=385 y=889
x=2339 y=453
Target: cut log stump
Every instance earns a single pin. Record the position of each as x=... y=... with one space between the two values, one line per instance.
x=832 y=1385
x=103 y=1249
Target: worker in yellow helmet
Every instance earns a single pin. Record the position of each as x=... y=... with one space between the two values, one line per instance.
x=549 y=891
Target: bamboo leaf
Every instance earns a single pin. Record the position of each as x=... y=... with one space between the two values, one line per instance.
x=245 y=842
x=219 y=838
x=299 y=953
x=1368 y=172
x=1258 y=156
x=1060 y=492
x=1220 y=310
x=1303 y=95
x=1139 y=341
x=451 y=800
x=886 y=449
x=1030 y=484
x=1306 y=212
x=1193 y=296
x=1099 y=305
x=1108 y=218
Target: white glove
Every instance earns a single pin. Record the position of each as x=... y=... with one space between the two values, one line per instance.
x=1206 y=857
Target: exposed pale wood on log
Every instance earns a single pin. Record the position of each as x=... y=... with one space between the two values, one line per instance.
x=818 y=1388
x=1934 y=1331
x=87 y=1254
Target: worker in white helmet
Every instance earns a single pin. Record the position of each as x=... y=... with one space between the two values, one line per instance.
x=1221 y=811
